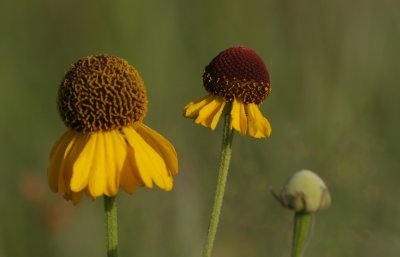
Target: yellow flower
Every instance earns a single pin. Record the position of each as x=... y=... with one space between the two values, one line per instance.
x=102 y=100
x=237 y=78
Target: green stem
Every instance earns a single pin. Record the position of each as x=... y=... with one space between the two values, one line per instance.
x=110 y=207
x=302 y=222
x=219 y=191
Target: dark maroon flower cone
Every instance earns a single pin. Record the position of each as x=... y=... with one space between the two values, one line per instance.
x=240 y=73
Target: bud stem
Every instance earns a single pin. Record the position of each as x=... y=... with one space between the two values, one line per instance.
x=110 y=208
x=219 y=192
x=302 y=222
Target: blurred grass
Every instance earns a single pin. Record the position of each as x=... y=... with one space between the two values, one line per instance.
x=334 y=70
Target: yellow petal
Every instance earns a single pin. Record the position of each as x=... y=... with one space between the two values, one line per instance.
x=210 y=113
x=259 y=126
x=151 y=166
x=130 y=177
x=238 y=117
x=60 y=141
x=127 y=180
x=98 y=176
x=115 y=156
x=82 y=165
x=192 y=109
x=60 y=149
x=163 y=147
x=69 y=159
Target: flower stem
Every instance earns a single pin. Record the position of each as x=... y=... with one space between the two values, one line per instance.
x=219 y=191
x=302 y=222
x=110 y=207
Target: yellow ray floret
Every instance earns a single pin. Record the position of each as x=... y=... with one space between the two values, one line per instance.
x=205 y=111
x=258 y=125
x=100 y=163
x=238 y=117
x=246 y=118
x=150 y=164
x=163 y=147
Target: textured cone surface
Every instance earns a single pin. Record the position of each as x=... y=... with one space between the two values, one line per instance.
x=101 y=93
x=238 y=72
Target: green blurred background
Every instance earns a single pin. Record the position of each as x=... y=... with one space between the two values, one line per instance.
x=334 y=109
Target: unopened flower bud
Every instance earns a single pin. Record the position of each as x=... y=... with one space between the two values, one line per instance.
x=304 y=192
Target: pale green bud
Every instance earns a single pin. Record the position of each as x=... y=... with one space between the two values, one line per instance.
x=305 y=191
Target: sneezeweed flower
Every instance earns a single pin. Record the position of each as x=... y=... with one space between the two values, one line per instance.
x=305 y=193
x=238 y=78
x=237 y=82
x=102 y=100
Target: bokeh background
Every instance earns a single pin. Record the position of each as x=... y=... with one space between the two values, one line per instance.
x=334 y=109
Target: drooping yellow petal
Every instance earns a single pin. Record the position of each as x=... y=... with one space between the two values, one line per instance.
x=151 y=166
x=259 y=126
x=192 y=109
x=210 y=113
x=82 y=165
x=127 y=180
x=115 y=153
x=60 y=142
x=66 y=168
x=163 y=147
x=60 y=149
x=98 y=176
x=130 y=177
x=238 y=117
